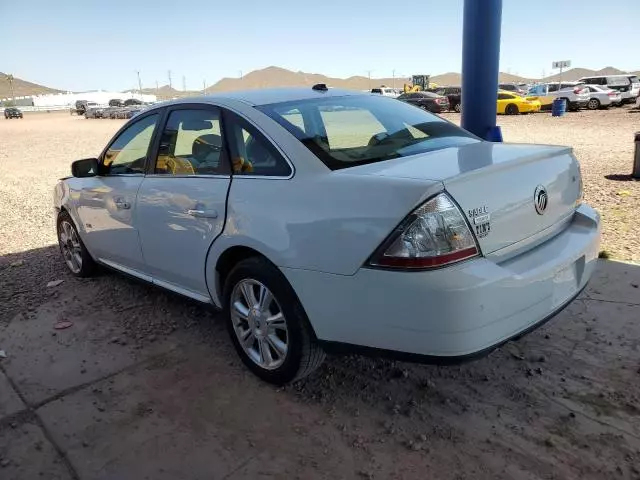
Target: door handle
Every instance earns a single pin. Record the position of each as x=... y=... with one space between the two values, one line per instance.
x=203 y=213
x=122 y=205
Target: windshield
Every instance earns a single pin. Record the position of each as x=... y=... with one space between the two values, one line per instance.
x=354 y=130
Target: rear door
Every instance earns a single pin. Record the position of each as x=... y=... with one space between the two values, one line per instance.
x=181 y=204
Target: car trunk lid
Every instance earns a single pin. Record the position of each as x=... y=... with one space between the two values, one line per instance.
x=497 y=186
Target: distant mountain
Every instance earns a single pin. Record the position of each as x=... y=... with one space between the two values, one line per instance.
x=271 y=77
x=22 y=88
x=454 y=78
x=577 y=73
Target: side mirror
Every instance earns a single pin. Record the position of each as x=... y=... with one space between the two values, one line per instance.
x=87 y=167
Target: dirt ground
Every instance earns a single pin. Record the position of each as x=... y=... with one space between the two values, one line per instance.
x=145 y=384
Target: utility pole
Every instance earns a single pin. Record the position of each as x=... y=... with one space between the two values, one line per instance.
x=240 y=74
x=13 y=93
x=169 y=75
x=184 y=83
x=204 y=86
x=139 y=84
x=369 y=74
x=393 y=72
x=157 y=89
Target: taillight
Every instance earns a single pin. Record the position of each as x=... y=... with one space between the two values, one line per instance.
x=612 y=94
x=577 y=90
x=433 y=235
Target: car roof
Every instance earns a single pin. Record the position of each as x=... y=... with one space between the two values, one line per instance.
x=269 y=95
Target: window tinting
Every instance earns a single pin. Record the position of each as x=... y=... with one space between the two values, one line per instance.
x=252 y=153
x=355 y=130
x=191 y=144
x=128 y=153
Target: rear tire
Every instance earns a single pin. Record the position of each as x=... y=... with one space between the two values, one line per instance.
x=593 y=104
x=457 y=107
x=512 y=109
x=273 y=337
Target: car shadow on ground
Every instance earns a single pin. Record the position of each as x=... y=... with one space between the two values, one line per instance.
x=567 y=394
x=620 y=177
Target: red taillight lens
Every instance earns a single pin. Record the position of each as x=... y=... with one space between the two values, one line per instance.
x=433 y=235
x=577 y=90
x=612 y=94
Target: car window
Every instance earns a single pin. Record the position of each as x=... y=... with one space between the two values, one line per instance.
x=505 y=96
x=360 y=129
x=127 y=154
x=192 y=144
x=618 y=81
x=251 y=152
x=553 y=87
x=294 y=117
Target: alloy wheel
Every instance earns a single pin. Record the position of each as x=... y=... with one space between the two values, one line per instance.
x=593 y=104
x=70 y=246
x=259 y=323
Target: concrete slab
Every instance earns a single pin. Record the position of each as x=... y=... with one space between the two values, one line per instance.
x=191 y=415
x=45 y=361
x=10 y=403
x=25 y=454
x=615 y=282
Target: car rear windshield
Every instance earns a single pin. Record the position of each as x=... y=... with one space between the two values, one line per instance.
x=634 y=79
x=354 y=130
x=618 y=81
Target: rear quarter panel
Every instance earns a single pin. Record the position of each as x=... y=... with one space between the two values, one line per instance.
x=330 y=222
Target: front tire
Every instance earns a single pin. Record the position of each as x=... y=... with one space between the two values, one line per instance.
x=593 y=104
x=74 y=253
x=267 y=324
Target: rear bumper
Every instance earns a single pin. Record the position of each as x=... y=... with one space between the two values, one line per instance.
x=457 y=311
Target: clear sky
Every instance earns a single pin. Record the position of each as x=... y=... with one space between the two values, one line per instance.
x=89 y=44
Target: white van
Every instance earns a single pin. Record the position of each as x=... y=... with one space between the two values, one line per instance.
x=386 y=91
x=628 y=85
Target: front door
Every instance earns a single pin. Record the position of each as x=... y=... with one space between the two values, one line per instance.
x=182 y=200
x=106 y=206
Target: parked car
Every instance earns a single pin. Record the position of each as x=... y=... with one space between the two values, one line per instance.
x=453 y=94
x=628 y=88
x=386 y=91
x=509 y=103
x=116 y=102
x=313 y=228
x=132 y=101
x=576 y=96
x=81 y=107
x=512 y=87
x=12 y=112
x=429 y=101
x=602 y=97
x=95 y=112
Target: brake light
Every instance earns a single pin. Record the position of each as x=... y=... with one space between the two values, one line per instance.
x=612 y=94
x=433 y=235
x=577 y=90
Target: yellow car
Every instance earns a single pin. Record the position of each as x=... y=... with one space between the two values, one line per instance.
x=512 y=104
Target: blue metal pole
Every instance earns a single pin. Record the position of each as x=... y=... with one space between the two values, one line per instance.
x=480 y=64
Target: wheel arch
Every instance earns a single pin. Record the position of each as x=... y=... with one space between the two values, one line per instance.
x=221 y=260
x=219 y=269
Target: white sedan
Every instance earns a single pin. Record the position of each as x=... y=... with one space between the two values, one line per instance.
x=600 y=97
x=322 y=219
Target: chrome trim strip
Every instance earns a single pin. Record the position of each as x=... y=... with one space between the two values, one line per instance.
x=128 y=271
x=182 y=291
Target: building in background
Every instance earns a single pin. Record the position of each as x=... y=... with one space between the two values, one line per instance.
x=66 y=100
